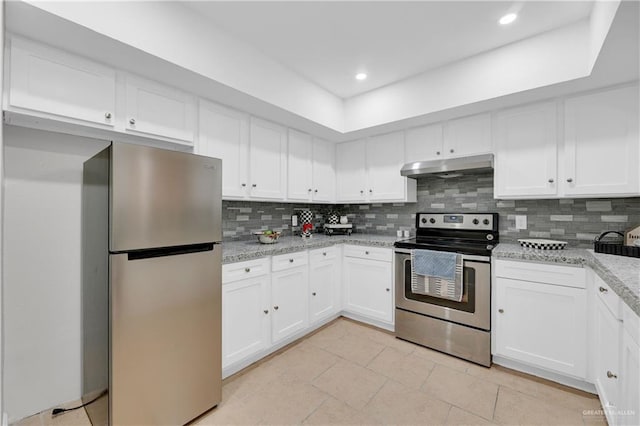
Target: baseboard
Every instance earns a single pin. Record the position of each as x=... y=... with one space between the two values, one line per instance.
x=366 y=320
x=5 y=421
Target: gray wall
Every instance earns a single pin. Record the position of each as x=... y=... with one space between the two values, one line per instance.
x=577 y=221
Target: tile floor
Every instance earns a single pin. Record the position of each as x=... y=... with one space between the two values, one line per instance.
x=349 y=373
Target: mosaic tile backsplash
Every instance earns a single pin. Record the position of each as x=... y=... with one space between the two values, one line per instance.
x=577 y=221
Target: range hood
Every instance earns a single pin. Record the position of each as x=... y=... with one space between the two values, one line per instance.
x=447 y=168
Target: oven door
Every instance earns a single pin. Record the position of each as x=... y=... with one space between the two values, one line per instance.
x=473 y=310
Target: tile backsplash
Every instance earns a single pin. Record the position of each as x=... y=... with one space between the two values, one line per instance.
x=577 y=221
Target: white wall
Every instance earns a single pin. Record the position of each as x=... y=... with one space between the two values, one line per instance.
x=41 y=282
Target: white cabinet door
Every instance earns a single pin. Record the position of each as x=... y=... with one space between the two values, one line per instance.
x=468 y=136
x=542 y=324
x=630 y=381
x=323 y=277
x=267 y=160
x=324 y=173
x=602 y=144
x=55 y=82
x=224 y=134
x=300 y=163
x=289 y=299
x=423 y=143
x=367 y=287
x=607 y=351
x=351 y=174
x=155 y=109
x=526 y=152
x=245 y=319
x=385 y=158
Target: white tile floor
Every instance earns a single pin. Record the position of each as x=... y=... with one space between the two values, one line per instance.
x=348 y=373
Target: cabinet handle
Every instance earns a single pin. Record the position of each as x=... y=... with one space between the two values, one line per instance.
x=569 y=180
x=254 y=185
x=603 y=290
x=451 y=151
x=437 y=152
x=551 y=180
x=247 y=269
x=501 y=311
x=266 y=311
x=313 y=294
x=611 y=375
x=275 y=307
x=388 y=289
x=366 y=252
x=107 y=115
x=132 y=121
x=290 y=260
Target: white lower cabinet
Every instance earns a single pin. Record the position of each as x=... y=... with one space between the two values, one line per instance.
x=289 y=300
x=245 y=319
x=367 y=280
x=630 y=383
x=324 y=283
x=542 y=323
x=606 y=359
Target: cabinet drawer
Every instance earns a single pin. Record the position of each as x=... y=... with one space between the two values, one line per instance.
x=238 y=271
x=631 y=322
x=326 y=253
x=290 y=260
x=569 y=276
x=364 y=252
x=610 y=299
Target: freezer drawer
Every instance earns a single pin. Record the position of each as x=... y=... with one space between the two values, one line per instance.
x=165 y=337
x=162 y=198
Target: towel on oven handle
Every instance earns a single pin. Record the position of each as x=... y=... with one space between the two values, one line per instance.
x=437 y=274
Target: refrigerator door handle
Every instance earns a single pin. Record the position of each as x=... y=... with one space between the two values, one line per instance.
x=169 y=251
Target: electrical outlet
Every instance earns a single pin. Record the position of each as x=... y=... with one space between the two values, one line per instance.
x=521 y=222
x=294 y=220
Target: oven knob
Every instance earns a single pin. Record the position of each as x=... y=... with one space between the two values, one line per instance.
x=489 y=247
x=486 y=221
x=476 y=221
x=423 y=220
x=489 y=237
x=432 y=220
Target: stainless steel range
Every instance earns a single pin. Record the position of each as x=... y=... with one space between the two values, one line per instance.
x=460 y=327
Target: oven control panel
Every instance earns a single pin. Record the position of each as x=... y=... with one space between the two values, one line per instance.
x=466 y=221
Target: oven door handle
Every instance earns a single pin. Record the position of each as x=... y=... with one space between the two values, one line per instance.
x=464 y=256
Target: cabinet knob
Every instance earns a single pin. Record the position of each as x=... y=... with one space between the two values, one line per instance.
x=313 y=294
x=324 y=253
x=501 y=311
x=551 y=180
x=371 y=191
x=107 y=115
x=243 y=185
x=366 y=252
x=611 y=375
x=132 y=121
x=309 y=190
x=315 y=191
x=362 y=191
x=290 y=260
x=388 y=289
x=451 y=151
x=254 y=185
x=603 y=290
x=437 y=152
x=247 y=269
x=569 y=180
x=266 y=311
x=275 y=307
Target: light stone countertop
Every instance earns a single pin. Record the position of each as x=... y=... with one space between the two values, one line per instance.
x=239 y=251
x=621 y=273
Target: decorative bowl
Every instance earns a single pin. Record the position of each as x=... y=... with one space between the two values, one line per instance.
x=542 y=244
x=267 y=238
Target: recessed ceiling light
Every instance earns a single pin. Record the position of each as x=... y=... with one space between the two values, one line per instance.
x=361 y=76
x=508 y=18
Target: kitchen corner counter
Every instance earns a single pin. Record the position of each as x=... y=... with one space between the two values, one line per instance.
x=238 y=251
x=619 y=272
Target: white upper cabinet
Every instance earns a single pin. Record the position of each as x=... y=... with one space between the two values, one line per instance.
x=224 y=134
x=267 y=160
x=159 y=110
x=369 y=170
x=351 y=173
x=311 y=169
x=468 y=136
x=51 y=81
x=526 y=156
x=324 y=172
x=423 y=143
x=601 y=151
x=300 y=166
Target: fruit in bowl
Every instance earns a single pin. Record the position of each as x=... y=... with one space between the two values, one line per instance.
x=268 y=236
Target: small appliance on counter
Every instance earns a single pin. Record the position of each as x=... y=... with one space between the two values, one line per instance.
x=626 y=245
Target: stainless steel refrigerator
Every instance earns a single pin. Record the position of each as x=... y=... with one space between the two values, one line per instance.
x=151 y=286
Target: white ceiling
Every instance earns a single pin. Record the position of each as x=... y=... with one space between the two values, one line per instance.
x=329 y=42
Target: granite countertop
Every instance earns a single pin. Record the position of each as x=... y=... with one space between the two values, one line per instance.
x=621 y=273
x=238 y=251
